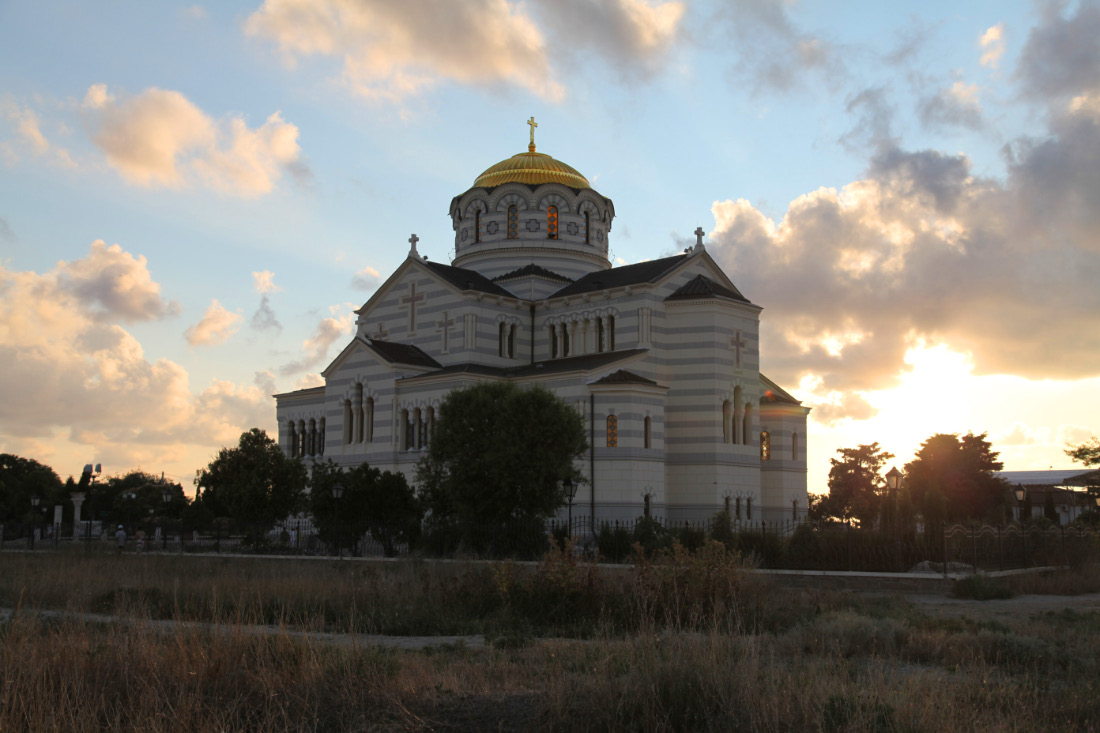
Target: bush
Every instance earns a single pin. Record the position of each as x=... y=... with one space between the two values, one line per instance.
x=982 y=588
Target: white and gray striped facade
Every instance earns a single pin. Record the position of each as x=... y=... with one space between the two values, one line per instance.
x=661 y=358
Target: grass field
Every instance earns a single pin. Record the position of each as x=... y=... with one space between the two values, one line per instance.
x=688 y=643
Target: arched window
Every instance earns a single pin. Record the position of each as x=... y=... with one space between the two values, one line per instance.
x=358 y=413
x=513 y=221
x=612 y=431
x=370 y=420
x=765 y=446
x=587 y=217
x=551 y=222
x=726 y=506
x=735 y=426
x=291 y=439
x=794 y=447
x=512 y=341
x=648 y=440
x=406 y=430
x=477 y=226
x=611 y=333
x=739 y=508
x=347 y=422
x=430 y=421
x=727 y=421
x=553 y=342
x=748 y=508
x=645 y=506
x=501 y=338
x=321 y=437
x=418 y=429
x=794 y=510
x=746 y=425
x=565 y=339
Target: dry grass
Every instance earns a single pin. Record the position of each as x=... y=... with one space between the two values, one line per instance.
x=711 y=648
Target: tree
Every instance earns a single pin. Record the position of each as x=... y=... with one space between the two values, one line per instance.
x=856 y=487
x=22 y=478
x=379 y=502
x=952 y=477
x=1088 y=453
x=498 y=457
x=254 y=483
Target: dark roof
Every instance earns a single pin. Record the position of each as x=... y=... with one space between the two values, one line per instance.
x=702 y=286
x=624 y=377
x=464 y=279
x=617 y=277
x=396 y=353
x=301 y=392
x=532 y=270
x=586 y=362
x=1051 y=477
x=774 y=393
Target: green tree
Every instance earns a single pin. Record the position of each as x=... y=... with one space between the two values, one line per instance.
x=132 y=498
x=379 y=502
x=498 y=456
x=255 y=483
x=952 y=478
x=1088 y=453
x=22 y=478
x=856 y=486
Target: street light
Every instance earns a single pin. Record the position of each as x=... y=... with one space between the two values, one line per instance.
x=571 y=493
x=166 y=495
x=1020 y=493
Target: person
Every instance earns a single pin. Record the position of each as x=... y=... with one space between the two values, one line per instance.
x=120 y=539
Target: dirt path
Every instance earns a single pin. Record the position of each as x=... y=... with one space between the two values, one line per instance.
x=1025 y=605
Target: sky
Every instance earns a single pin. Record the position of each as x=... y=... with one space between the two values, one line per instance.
x=195 y=197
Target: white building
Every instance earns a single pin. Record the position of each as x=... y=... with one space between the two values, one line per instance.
x=661 y=357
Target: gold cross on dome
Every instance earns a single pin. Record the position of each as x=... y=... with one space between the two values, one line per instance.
x=533 y=125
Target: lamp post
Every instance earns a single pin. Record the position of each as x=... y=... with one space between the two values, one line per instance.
x=166 y=495
x=337 y=494
x=35 y=501
x=571 y=494
x=1020 y=493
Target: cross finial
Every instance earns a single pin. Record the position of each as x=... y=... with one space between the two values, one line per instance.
x=533 y=124
x=412 y=250
x=699 y=236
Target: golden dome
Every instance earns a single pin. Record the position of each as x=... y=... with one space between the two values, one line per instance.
x=531 y=168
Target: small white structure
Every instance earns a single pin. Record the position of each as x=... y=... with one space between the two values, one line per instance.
x=660 y=357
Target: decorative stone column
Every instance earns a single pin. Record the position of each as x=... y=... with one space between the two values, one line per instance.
x=78 y=501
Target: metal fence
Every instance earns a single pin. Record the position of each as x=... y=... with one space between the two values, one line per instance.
x=950 y=548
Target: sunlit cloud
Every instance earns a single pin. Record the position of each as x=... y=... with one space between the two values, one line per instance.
x=336 y=326
x=27 y=127
x=993 y=46
x=160 y=138
x=366 y=279
x=74 y=376
x=215 y=327
x=264 y=282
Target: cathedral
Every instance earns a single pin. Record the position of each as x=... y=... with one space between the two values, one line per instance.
x=661 y=358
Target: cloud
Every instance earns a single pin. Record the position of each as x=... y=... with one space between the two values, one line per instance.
x=264 y=318
x=310 y=380
x=28 y=129
x=957 y=105
x=993 y=45
x=264 y=282
x=366 y=279
x=922 y=251
x=773 y=54
x=7 y=234
x=316 y=347
x=216 y=325
x=114 y=285
x=632 y=36
x=71 y=376
x=160 y=138
x=393 y=50
x=1062 y=54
